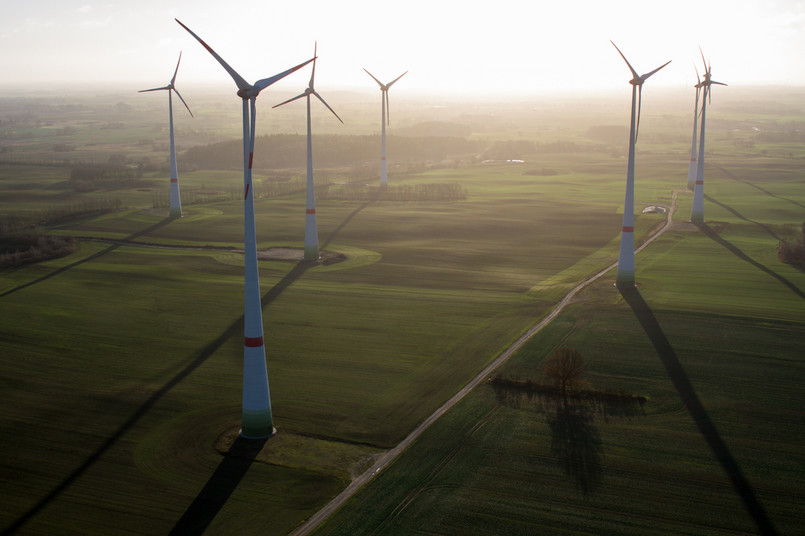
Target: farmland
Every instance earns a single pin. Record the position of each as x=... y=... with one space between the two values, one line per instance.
x=121 y=363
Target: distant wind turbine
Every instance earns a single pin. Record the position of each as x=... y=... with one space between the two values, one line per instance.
x=692 y=169
x=384 y=89
x=257 y=420
x=697 y=209
x=175 y=199
x=626 y=268
x=311 y=232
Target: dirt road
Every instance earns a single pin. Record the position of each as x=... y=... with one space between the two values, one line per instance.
x=388 y=457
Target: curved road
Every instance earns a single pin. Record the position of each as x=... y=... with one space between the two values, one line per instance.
x=392 y=454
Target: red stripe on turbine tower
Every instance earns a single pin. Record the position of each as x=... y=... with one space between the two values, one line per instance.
x=246 y=196
x=253 y=342
x=310 y=211
x=251 y=159
x=699 y=182
x=174 y=180
x=628 y=229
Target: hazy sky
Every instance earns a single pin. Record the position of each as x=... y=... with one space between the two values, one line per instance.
x=501 y=47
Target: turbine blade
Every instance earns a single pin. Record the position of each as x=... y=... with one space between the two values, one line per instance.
x=173 y=80
x=392 y=82
x=645 y=76
x=154 y=89
x=328 y=106
x=719 y=83
x=313 y=74
x=183 y=101
x=290 y=100
x=698 y=79
x=706 y=70
x=388 y=111
x=379 y=83
x=265 y=82
x=634 y=73
x=239 y=81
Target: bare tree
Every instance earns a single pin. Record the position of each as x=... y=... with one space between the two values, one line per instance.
x=564 y=370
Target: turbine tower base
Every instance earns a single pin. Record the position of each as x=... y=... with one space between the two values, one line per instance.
x=244 y=436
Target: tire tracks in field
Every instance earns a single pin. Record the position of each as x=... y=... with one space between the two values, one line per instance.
x=386 y=459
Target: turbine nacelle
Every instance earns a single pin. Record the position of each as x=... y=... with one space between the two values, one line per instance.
x=637 y=79
x=245 y=90
x=248 y=92
x=172 y=87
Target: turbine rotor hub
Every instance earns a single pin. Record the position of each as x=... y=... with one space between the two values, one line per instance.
x=248 y=92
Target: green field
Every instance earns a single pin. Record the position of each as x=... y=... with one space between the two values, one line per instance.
x=120 y=364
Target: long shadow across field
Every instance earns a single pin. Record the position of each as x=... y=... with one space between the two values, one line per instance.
x=92 y=257
x=742 y=217
x=230 y=471
x=696 y=409
x=710 y=233
x=226 y=471
x=232 y=468
x=219 y=487
x=755 y=186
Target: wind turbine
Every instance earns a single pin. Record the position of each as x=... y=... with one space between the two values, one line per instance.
x=697 y=209
x=257 y=420
x=693 y=153
x=311 y=233
x=626 y=269
x=175 y=199
x=384 y=89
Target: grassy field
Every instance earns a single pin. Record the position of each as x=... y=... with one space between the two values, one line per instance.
x=712 y=337
x=121 y=364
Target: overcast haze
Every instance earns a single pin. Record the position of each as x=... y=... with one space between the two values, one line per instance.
x=502 y=47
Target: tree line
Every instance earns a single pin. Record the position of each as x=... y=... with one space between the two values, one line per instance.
x=277 y=151
x=19 y=250
x=793 y=251
x=359 y=191
x=12 y=222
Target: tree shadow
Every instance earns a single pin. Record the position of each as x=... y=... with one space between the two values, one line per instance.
x=223 y=482
x=575 y=439
x=94 y=256
x=231 y=331
x=696 y=409
x=710 y=233
x=576 y=443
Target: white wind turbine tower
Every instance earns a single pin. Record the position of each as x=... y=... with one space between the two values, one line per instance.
x=626 y=268
x=257 y=420
x=311 y=232
x=384 y=89
x=692 y=169
x=697 y=209
x=175 y=199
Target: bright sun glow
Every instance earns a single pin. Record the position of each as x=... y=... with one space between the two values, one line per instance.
x=505 y=47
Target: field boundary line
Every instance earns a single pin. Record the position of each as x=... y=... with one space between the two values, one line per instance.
x=389 y=456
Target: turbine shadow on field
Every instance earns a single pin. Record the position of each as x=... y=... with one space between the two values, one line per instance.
x=94 y=256
x=696 y=409
x=233 y=330
x=710 y=233
x=755 y=186
x=742 y=217
x=226 y=470
x=219 y=487
x=349 y=219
